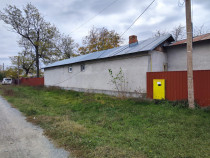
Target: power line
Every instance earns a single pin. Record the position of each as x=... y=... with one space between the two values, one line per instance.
x=138 y=18
x=120 y=36
x=94 y=16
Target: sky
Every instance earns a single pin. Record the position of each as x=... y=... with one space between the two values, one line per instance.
x=69 y=15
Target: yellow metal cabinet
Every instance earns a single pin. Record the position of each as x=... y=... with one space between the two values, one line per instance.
x=159 y=89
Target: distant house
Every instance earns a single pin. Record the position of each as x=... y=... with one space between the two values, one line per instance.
x=90 y=72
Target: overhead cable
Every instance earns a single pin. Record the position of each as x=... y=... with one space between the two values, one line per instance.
x=94 y=16
x=138 y=18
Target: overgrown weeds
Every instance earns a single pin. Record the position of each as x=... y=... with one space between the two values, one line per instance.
x=6 y=90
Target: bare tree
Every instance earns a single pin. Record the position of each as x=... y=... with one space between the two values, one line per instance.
x=159 y=33
x=199 y=30
x=178 y=32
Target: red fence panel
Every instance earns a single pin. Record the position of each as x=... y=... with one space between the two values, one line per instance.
x=176 y=85
x=32 y=81
x=202 y=87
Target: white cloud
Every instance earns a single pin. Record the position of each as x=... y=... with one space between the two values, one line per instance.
x=69 y=14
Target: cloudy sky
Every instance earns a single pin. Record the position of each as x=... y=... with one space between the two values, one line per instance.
x=69 y=15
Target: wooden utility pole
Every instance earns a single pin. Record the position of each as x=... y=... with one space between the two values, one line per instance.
x=189 y=55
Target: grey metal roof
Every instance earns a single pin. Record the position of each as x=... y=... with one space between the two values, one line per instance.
x=142 y=46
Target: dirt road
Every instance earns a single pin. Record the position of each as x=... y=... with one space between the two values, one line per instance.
x=21 y=139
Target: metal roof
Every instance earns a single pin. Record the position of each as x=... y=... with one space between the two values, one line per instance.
x=141 y=46
x=195 y=39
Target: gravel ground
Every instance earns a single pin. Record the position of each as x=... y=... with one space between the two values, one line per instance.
x=21 y=139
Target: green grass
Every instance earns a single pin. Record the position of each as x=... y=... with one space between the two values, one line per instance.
x=96 y=125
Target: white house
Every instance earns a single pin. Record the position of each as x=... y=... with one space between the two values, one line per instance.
x=91 y=72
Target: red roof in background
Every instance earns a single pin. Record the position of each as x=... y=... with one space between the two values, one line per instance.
x=195 y=39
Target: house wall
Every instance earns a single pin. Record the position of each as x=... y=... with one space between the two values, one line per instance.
x=96 y=75
x=177 y=56
x=157 y=60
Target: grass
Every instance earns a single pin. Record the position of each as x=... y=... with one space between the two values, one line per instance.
x=96 y=125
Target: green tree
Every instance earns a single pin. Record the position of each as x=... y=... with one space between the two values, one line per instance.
x=12 y=72
x=100 y=39
x=31 y=26
x=2 y=75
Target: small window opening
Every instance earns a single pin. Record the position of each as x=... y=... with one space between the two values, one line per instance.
x=83 y=67
x=70 y=68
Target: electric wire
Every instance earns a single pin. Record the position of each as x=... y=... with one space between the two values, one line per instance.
x=80 y=71
x=94 y=16
x=120 y=36
x=73 y=75
x=137 y=18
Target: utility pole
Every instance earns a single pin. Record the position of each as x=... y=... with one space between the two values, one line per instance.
x=18 y=70
x=3 y=67
x=189 y=54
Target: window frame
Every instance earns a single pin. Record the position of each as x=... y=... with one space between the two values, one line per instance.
x=82 y=67
x=70 y=67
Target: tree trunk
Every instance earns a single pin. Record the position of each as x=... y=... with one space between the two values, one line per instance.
x=37 y=61
x=27 y=71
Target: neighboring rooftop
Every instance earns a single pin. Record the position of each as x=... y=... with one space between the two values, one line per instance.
x=141 y=46
x=195 y=39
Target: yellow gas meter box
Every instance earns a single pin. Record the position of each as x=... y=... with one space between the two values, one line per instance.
x=159 y=89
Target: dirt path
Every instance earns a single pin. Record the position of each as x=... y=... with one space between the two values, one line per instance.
x=21 y=139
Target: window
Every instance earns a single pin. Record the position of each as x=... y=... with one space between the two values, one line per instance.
x=83 y=67
x=70 y=68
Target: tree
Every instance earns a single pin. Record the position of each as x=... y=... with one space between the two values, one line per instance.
x=2 y=75
x=177 y=32
x=31 y=26
x=159 y=33
x=26 y=58
x=199 y=30
x=12 y=72
x=100 y=39
x=66 y=46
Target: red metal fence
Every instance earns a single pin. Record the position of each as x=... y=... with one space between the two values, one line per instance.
x=32 y=81
x=176 y=85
